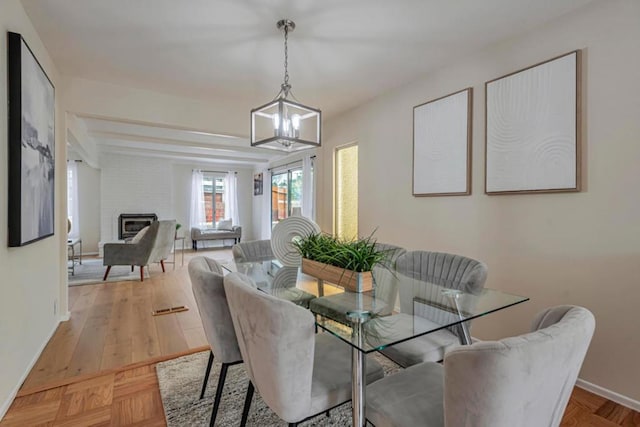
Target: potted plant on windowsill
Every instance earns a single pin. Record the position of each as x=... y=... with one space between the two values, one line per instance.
x=346 y=263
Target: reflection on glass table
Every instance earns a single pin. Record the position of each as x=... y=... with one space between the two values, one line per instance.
x=398 y=309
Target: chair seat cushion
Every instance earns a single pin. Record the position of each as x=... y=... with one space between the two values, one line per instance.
x=331 y=384
x=412 y=397
x=214 y=231
x=427 y=348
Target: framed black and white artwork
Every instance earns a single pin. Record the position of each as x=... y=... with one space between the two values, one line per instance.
x=442 y=146
x=533 y=129
x=31 y=142
x=257 y=184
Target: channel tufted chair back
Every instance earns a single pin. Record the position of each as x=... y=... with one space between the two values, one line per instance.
x=449 y=271
x=523 y=381
x=253 y=251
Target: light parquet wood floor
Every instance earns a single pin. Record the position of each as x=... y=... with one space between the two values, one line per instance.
x=130 y=397
x=99 y=367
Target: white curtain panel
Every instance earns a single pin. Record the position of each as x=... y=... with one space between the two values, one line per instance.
x=266 y=206
x=308 y=189
x=231 y=198
x=197 y=215
x=73 y=212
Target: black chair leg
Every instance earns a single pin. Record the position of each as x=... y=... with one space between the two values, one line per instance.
x=206 y=376
x=216 y=402
x=247 y=405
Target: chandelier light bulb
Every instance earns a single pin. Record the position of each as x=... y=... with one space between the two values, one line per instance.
x=295 y=121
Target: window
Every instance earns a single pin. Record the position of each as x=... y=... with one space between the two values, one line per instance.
x=286 y=194
x=72 y=199
x=346 y=192
x=213 y=187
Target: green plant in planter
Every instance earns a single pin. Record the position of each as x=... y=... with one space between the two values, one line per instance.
x=357 y=255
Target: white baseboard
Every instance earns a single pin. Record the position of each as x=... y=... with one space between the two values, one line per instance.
x=608 y=394
x=4 y=407
x=65 y=317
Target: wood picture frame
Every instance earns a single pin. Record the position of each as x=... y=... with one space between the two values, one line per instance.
x=533 y=128
x=31 y=113
x=442 y=145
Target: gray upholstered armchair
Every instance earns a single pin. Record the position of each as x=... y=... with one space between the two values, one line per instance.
x=520 y=381
x=151 y=244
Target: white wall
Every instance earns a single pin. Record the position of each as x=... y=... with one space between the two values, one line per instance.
x=579 y=248
x=133 y=184
x=89 y=206
x=137 y=184
x=33 y=276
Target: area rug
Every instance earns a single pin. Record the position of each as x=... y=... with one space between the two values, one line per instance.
x=91 y=272
x=181 y=380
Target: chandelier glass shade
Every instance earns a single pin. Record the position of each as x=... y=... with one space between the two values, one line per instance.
x=284 y=124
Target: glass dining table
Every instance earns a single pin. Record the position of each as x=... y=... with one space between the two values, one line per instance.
x=398 y=309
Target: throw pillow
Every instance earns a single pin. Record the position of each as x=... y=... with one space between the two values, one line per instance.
x=225 y=224
x=140 y=234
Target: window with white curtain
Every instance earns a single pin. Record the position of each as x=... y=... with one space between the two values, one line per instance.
x=72 y=199
x=213 y=190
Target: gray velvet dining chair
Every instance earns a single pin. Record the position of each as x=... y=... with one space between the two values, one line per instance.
x=252 y=251
x=523 y=381
x=447 y=270
x=299 y=374
x=208 y=290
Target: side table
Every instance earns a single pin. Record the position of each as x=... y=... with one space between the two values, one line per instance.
x=71 y=244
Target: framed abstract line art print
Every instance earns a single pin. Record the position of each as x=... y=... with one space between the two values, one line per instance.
x=31 y=146
x=533 y=129
x=442 y=146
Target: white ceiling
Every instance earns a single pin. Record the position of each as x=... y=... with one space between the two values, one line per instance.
x=342 y=53
x=113 y=136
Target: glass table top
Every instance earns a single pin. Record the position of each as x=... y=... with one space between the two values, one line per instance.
x=398 y=309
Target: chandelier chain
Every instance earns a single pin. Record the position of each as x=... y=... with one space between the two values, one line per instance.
x=286 y=55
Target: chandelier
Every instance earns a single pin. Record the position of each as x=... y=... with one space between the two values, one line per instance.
x=285 y=124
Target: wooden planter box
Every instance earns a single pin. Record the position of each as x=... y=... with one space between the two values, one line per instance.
x=348 y=279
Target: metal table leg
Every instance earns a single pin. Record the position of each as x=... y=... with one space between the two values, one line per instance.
x=358 y=368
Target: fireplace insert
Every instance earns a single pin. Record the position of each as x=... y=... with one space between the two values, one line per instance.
x=130 y=224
